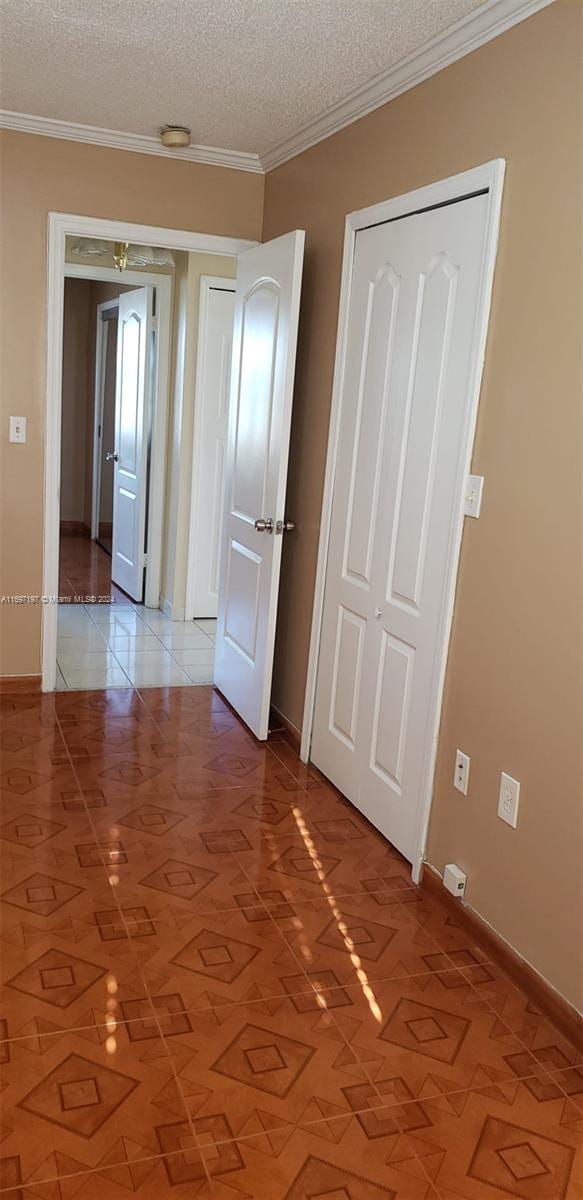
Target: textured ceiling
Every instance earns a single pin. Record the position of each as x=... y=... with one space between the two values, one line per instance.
x=242 y=74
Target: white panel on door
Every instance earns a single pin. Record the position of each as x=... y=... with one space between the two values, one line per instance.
x=427 y=376
x=393 y=692
x=255 y=399
x=130 y=383
x=211 y=409
x=382 y=300
x=347 y=673
x=242 y=614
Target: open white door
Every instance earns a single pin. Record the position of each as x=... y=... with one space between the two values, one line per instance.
x=265 y=331
x=130 y=454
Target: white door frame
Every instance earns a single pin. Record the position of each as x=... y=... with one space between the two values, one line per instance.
x=61 y=226
x=101 y=340
x=207 y=283
x=487 y=177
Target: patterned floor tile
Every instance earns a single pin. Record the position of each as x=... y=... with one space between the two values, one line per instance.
x=219 y=982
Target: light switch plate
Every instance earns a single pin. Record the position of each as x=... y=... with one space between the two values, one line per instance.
x=508 y=799
x=473 y=497
x=17 y=429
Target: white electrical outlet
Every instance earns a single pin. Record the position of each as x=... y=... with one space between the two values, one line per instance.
x=461 y=774
x=508 y=799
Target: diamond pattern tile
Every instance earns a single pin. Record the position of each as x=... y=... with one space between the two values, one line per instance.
x=30 y=830
x=521 y=1162
x=79 y=1095
x=41 y=894
x=434 y=1032
x=178 y=878
x=257 y=1058
x=217 y=979
x=150 y=818
x=216 y=956
x=57 y=978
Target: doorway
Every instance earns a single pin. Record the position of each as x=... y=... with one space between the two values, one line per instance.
x=261 y=390
x=416 y=292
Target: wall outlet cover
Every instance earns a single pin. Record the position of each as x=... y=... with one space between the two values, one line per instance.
x=508 y=799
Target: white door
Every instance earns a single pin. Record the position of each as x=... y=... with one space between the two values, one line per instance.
x=211 y=408
x=264 y=353
x=403 y=447
x=132 y=427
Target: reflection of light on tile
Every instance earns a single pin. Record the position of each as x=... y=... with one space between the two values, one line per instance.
x=341 y=925
x=111 y=1004
x=111 y=1045
x=113 y=880
x=111 y=985
x=114 y=832
x=110 y=1023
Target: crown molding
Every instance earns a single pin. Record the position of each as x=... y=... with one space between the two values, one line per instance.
x=237 y=160
x=488 y=22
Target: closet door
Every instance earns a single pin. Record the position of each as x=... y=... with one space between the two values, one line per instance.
x=403 y=433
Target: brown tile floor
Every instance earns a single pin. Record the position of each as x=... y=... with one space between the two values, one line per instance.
x=85 y=571
x=218 y=981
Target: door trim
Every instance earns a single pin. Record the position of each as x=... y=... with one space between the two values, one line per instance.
x=101 y=340
x=488 y=177
x=207 y=284
x=60 y=226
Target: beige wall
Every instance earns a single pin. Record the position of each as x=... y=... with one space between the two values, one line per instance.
x=77 y=410
x=181 y=424
x=513 y=691
x=39 y=175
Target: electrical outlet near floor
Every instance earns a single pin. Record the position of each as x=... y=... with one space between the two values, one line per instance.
x=508 y=799
x=461 y=774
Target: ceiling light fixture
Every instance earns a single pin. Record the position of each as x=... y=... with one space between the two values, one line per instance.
x=90 y=248
x=175 y=137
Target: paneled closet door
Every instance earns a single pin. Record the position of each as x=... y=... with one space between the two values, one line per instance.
x=413 y=306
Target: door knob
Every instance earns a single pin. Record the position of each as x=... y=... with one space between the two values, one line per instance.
x=112 y=456
x=284 y=526
x=264 y=525
x=378 y=613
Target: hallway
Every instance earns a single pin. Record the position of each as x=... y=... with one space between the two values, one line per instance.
x=219 y=981
x=85 y=571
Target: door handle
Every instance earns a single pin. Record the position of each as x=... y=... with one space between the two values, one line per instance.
x=284 y=526
x=112 y=456
x=264 y=525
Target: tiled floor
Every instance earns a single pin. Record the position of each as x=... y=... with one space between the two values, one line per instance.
x=85 y=571
x=123 y=645
x=218 y=981
x=112 y=642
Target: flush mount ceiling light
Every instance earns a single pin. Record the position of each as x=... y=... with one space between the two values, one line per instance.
x=149 y=256
x=91 y=248
x=175 y=137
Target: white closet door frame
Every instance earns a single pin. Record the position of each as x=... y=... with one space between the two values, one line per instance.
x=489 y=177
